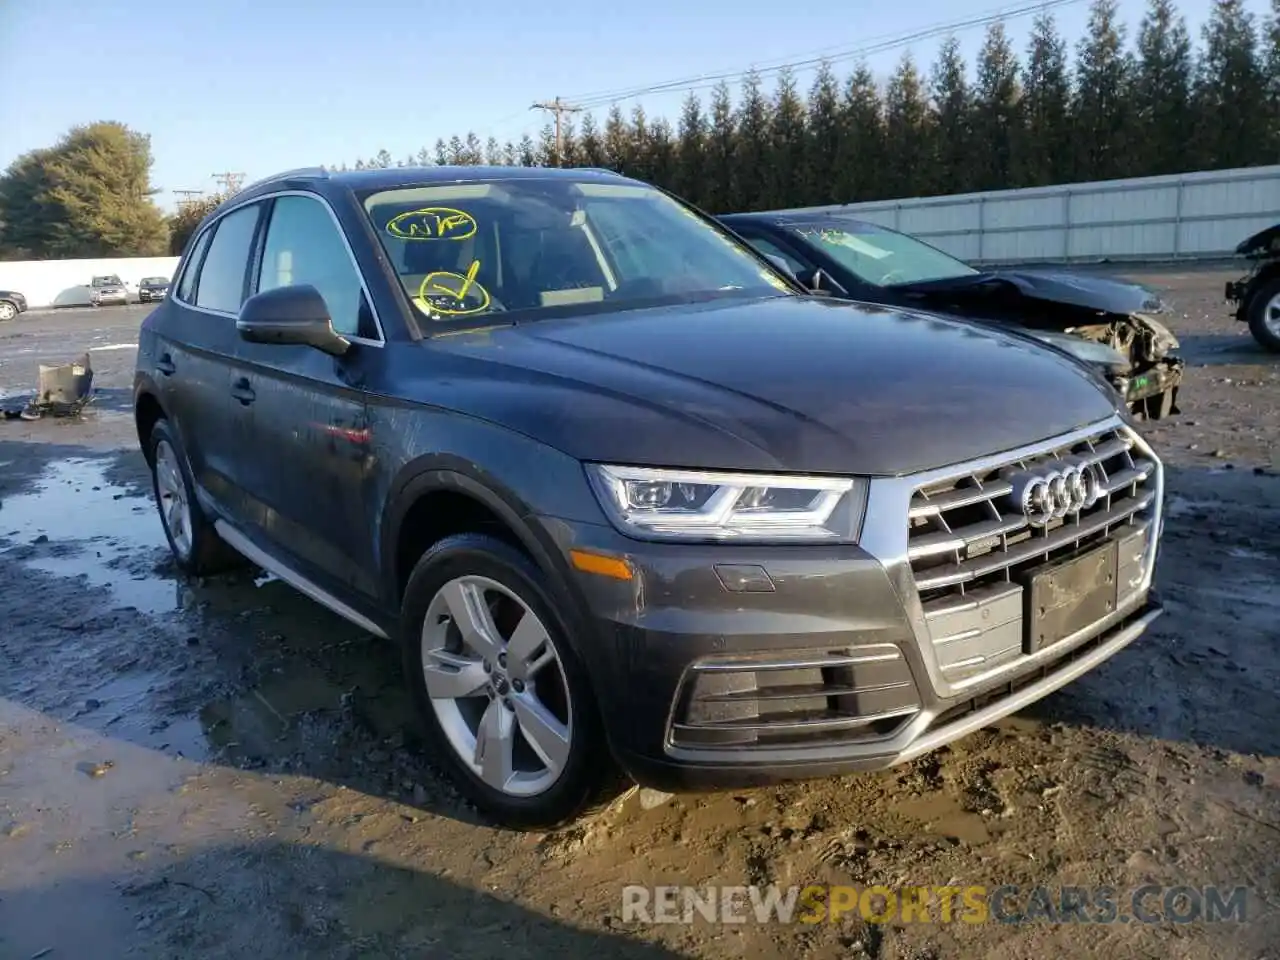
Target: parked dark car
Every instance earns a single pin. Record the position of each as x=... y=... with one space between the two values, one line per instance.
x=620 y=489
x=1107 y=323
x=151 y=289
x=107 y=289
x=1256 y=295
x=12 y=303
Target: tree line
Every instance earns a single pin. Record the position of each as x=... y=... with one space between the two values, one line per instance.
x=1112 y=105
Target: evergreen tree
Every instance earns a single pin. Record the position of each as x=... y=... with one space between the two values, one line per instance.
x=662 y=154
x=382 y=160
x=953 y=160
x=997 y=117
x=691 y=152
x=1230 y=90
x=822 y=157
x=722 y=151
x=1102 y=124
x=787 y=144
x=1046 y=155
x=510 y=156
x=1271 y=69
x=617 y=141
x=1161 y=93
x=89 y=195
x=590 y=146
x=906 y=133
x=547 y=155
x=527 y=152
x=493 y=152
x=424 y=157
x=442 y=152
x=862 y=168
x=457 y=151
x=641 y=145
x=751 y=175
x=472 y=151
x=569 y=153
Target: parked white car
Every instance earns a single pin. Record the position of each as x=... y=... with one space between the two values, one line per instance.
x=107 y=289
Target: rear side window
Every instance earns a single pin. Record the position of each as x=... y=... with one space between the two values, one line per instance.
x=187 y=288
x=221 y=283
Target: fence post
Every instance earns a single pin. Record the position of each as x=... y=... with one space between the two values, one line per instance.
x=1177 y=220
x=982 y=225
x=1066 y=224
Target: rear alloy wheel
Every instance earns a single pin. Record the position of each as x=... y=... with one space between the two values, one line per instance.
x=7 y=310
x=196 y=546
x=1264 y=315
x=503 y=696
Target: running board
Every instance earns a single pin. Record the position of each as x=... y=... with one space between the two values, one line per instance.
x=242 y=544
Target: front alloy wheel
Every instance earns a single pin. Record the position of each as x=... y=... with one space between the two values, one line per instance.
x=7 y=310
x=504 y=699
x=497 y=686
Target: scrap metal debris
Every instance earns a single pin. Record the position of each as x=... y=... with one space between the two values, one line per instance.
x=62 y=390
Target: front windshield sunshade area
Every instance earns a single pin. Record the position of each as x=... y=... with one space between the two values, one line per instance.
x=880 y=256
x=469 y=251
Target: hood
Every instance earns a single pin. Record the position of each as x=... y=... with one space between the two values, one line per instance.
x=788 y=383
x=1061 y=287
x=1262 y=243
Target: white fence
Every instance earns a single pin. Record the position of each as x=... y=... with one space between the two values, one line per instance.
x=1189 y=216
x=65 y=283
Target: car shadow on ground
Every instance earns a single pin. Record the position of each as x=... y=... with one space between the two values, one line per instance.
x=285 y=901
x=1225 y=350
x=253 y=675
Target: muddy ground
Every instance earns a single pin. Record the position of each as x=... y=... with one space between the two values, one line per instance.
x=223 y=769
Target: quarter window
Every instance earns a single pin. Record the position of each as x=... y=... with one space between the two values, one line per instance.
x=221 y=283
x=304 y=246
x=187 y=288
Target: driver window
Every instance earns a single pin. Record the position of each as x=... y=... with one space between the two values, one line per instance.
x=303 y=246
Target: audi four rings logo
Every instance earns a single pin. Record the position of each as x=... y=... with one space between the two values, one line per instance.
x=1057 y=493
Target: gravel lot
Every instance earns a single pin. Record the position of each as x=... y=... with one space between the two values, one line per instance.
x=223 y=769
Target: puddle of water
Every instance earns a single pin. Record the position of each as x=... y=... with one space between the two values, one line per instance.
x=943 y=815
x=106 y=533
x=124 y=707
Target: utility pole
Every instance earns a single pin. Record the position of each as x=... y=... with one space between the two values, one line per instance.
x=187 y=197
x=230 y=181
x=559 y=109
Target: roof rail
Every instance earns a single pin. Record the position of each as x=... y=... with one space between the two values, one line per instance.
x=600 y=170
x=310 y=173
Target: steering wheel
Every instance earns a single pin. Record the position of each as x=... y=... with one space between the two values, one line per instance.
x=449 y=294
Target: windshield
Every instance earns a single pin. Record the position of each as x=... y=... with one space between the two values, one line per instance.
x=155 y=281
x=106 y=281
x=880 y=256
x=471 y=252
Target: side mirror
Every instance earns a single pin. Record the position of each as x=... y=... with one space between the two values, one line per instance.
x=817 y=283
x=295 y=315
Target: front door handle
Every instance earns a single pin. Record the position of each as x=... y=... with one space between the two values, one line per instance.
x=242 y=391
x=165 y=364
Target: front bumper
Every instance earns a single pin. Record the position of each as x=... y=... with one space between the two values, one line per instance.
x=722 y=666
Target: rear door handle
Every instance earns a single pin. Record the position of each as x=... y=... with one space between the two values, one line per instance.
x=243 y=392
x=165 y=364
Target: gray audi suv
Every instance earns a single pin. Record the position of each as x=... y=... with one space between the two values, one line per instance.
x=623 y=493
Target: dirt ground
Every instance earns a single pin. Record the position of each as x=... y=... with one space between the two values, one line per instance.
x=223 y=769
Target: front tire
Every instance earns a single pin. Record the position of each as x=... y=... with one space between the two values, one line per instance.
x=1264 y=315
x=502 y=694
x=196 y=547
x=7 y=310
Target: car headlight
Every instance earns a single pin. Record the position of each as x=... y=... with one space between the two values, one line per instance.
x=660 y=504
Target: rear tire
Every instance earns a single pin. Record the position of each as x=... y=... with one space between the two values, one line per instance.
x=503 y=696
x=196 y=547
x=1264 y=315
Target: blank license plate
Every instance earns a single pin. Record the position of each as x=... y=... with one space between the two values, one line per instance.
x=1065 y=597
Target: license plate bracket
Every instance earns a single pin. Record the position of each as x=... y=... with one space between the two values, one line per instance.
x=1066 y=596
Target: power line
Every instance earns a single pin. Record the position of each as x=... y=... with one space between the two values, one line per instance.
x=891 y=42
x=187 y=197
x=231 y=182
x=559 y=109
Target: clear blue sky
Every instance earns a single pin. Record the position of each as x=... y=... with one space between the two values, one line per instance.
x=271 y=84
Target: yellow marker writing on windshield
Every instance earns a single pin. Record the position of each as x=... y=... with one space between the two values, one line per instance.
x=445 y=292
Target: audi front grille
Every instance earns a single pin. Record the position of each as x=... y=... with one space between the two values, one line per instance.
x=974 y=536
